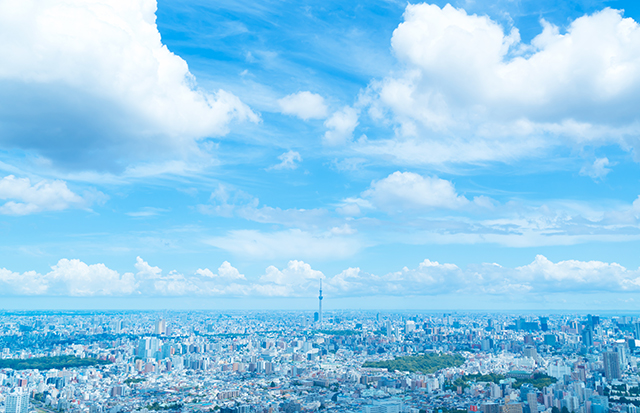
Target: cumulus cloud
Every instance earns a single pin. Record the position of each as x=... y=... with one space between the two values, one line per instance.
x=597 y=170
x=540 y=277
x=26 y=198
x=305 y=105
x=470 y=92
x=408 y=190
x=299 y=279
x=288 y=160
x=226 y=272
x=92 y=77
x=75 y=278
x=340 y=127
x=68 y=277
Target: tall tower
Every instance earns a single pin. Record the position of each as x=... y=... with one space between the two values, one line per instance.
x=320 y=304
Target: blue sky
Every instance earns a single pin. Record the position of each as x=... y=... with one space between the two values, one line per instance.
x=194 y=154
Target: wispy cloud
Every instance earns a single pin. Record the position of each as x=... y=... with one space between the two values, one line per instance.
x=147 y=212
x=288 y=160
x=597 y=170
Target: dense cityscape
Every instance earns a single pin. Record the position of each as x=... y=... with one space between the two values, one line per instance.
x=349 y=361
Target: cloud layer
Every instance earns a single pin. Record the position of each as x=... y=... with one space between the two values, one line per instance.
x=298 y=279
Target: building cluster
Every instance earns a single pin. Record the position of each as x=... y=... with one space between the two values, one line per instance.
x=293 y=361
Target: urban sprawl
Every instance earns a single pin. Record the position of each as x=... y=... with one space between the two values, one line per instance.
x=238 y=362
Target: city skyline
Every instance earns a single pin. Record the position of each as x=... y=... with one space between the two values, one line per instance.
x=351 y=362
x=178 y=154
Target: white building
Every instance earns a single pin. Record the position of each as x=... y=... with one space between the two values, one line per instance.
x=17 y=403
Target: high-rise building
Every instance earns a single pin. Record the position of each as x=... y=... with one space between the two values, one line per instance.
x=490 y=408
x=532 y=399
x=147 y=347
x=409 y=326
x=530 y=351
x=320 y=304
x=17 y=402
x=161 y=327
x=636 y=330
x=116 y=326
x=544 y=323
x=611 y=361
x=622 y=353
x=587 y=337
x=486 y=344
x=512 y=407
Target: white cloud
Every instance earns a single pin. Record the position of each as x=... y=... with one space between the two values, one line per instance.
x=353 y=206
x=407 y=190
x=540 y=277
x=224 y=201
x=146 y=271
x=340 y=127
x=343 y=230
x=305 y=105
x=289 y=160
x=598 y=170
x=70 y=278
x=27 y=283
x=469 y=92
x=87 y=77
x=26 y=198
x=286 y=244
x=298 y=278
x=228 y=201
x=147 y=212
x=75 y=278
x=226 y=272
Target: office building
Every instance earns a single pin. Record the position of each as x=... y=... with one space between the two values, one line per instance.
x=490 y=408
x=587 y=337
x=409 y=326
x=532 y=399
x=17 y=403
x=611 y=361
x=161 y=327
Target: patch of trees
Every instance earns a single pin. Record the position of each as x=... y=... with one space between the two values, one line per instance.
x=424 y=363
x=47 y=363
